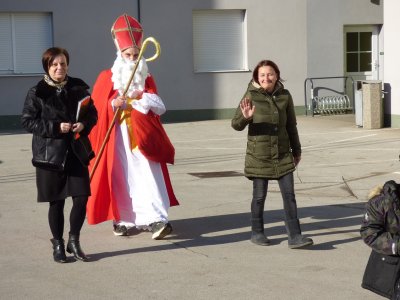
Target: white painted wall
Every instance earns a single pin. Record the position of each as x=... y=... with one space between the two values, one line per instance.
x=82 y=27
x=305 y=38
x=325 y=40
x=392 y=53
x=325 y=21
x=276 y=30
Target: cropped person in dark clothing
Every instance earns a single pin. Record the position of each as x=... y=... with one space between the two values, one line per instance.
x=50 y=113
x=273 y=148
x=380 y=230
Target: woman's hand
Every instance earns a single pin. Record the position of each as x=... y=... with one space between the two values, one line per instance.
x=65 y=127
x=296 y=160
x=77 y=127
x=247 y=108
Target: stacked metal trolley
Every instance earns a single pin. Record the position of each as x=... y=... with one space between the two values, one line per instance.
x=337 y=102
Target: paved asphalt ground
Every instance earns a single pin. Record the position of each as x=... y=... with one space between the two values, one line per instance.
x=209 y=255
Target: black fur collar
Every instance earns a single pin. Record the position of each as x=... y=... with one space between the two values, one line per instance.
x=43 y=90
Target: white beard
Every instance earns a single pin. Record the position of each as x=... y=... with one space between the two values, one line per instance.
x=121 y=72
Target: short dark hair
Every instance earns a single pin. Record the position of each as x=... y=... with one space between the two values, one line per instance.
x=264 y=63
x=50 y=54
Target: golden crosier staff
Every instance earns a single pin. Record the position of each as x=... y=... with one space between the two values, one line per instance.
x=117 y=111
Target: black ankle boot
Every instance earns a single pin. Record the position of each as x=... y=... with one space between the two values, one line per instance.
x=59 y=251
x=74 y=247
x=296 y=239
x=257 y=232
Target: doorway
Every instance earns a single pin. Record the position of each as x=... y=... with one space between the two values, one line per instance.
x=362 y=52
x=362 y=61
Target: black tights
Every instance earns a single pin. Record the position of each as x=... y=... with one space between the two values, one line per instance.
x=76 y=217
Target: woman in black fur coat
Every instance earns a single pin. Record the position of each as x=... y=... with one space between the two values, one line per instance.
x=60 y=158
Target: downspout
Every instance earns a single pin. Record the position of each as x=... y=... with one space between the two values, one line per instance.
x=138 y=10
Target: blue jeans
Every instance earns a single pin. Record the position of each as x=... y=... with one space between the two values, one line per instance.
x=260 y=187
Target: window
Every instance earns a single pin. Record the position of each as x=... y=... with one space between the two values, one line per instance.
x=219 y=40
x=23 y=39
x=358 y=51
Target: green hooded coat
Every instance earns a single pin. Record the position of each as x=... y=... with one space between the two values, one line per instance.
x=272 y=138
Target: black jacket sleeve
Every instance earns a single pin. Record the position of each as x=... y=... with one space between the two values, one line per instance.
x=32 y=120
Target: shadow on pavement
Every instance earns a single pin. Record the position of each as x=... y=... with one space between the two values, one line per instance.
x=206 y=231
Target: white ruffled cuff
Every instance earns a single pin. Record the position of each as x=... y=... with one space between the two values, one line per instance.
x=149 y=102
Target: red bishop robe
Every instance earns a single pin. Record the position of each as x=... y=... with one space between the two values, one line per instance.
x=151 y=139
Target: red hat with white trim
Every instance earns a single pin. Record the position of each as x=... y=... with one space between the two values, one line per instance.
x=126 y=33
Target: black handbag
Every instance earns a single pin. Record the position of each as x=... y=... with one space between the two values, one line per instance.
x=381 y=274
x=83 y=149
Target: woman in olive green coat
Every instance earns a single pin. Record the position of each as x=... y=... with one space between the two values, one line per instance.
x=273 y=148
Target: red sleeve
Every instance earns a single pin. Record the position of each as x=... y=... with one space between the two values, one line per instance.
x=150 y=85
x=152 y=139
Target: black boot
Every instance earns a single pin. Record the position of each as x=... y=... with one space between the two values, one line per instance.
x=257 y=233
x=73 y=246
x=296 y=239
x=59 y=251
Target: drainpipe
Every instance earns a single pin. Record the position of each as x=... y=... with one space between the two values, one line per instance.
x=138 y=10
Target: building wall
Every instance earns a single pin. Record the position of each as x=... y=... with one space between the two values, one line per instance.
x=325 y=22
x=305 y=39
x=82 y=27
x=276 y=30
x=392 y=60
x=210 y=95
x=325 y=40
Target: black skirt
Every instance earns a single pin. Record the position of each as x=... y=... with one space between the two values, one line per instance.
x=73 y=181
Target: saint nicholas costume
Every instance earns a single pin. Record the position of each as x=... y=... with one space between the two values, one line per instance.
x=131 y=184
